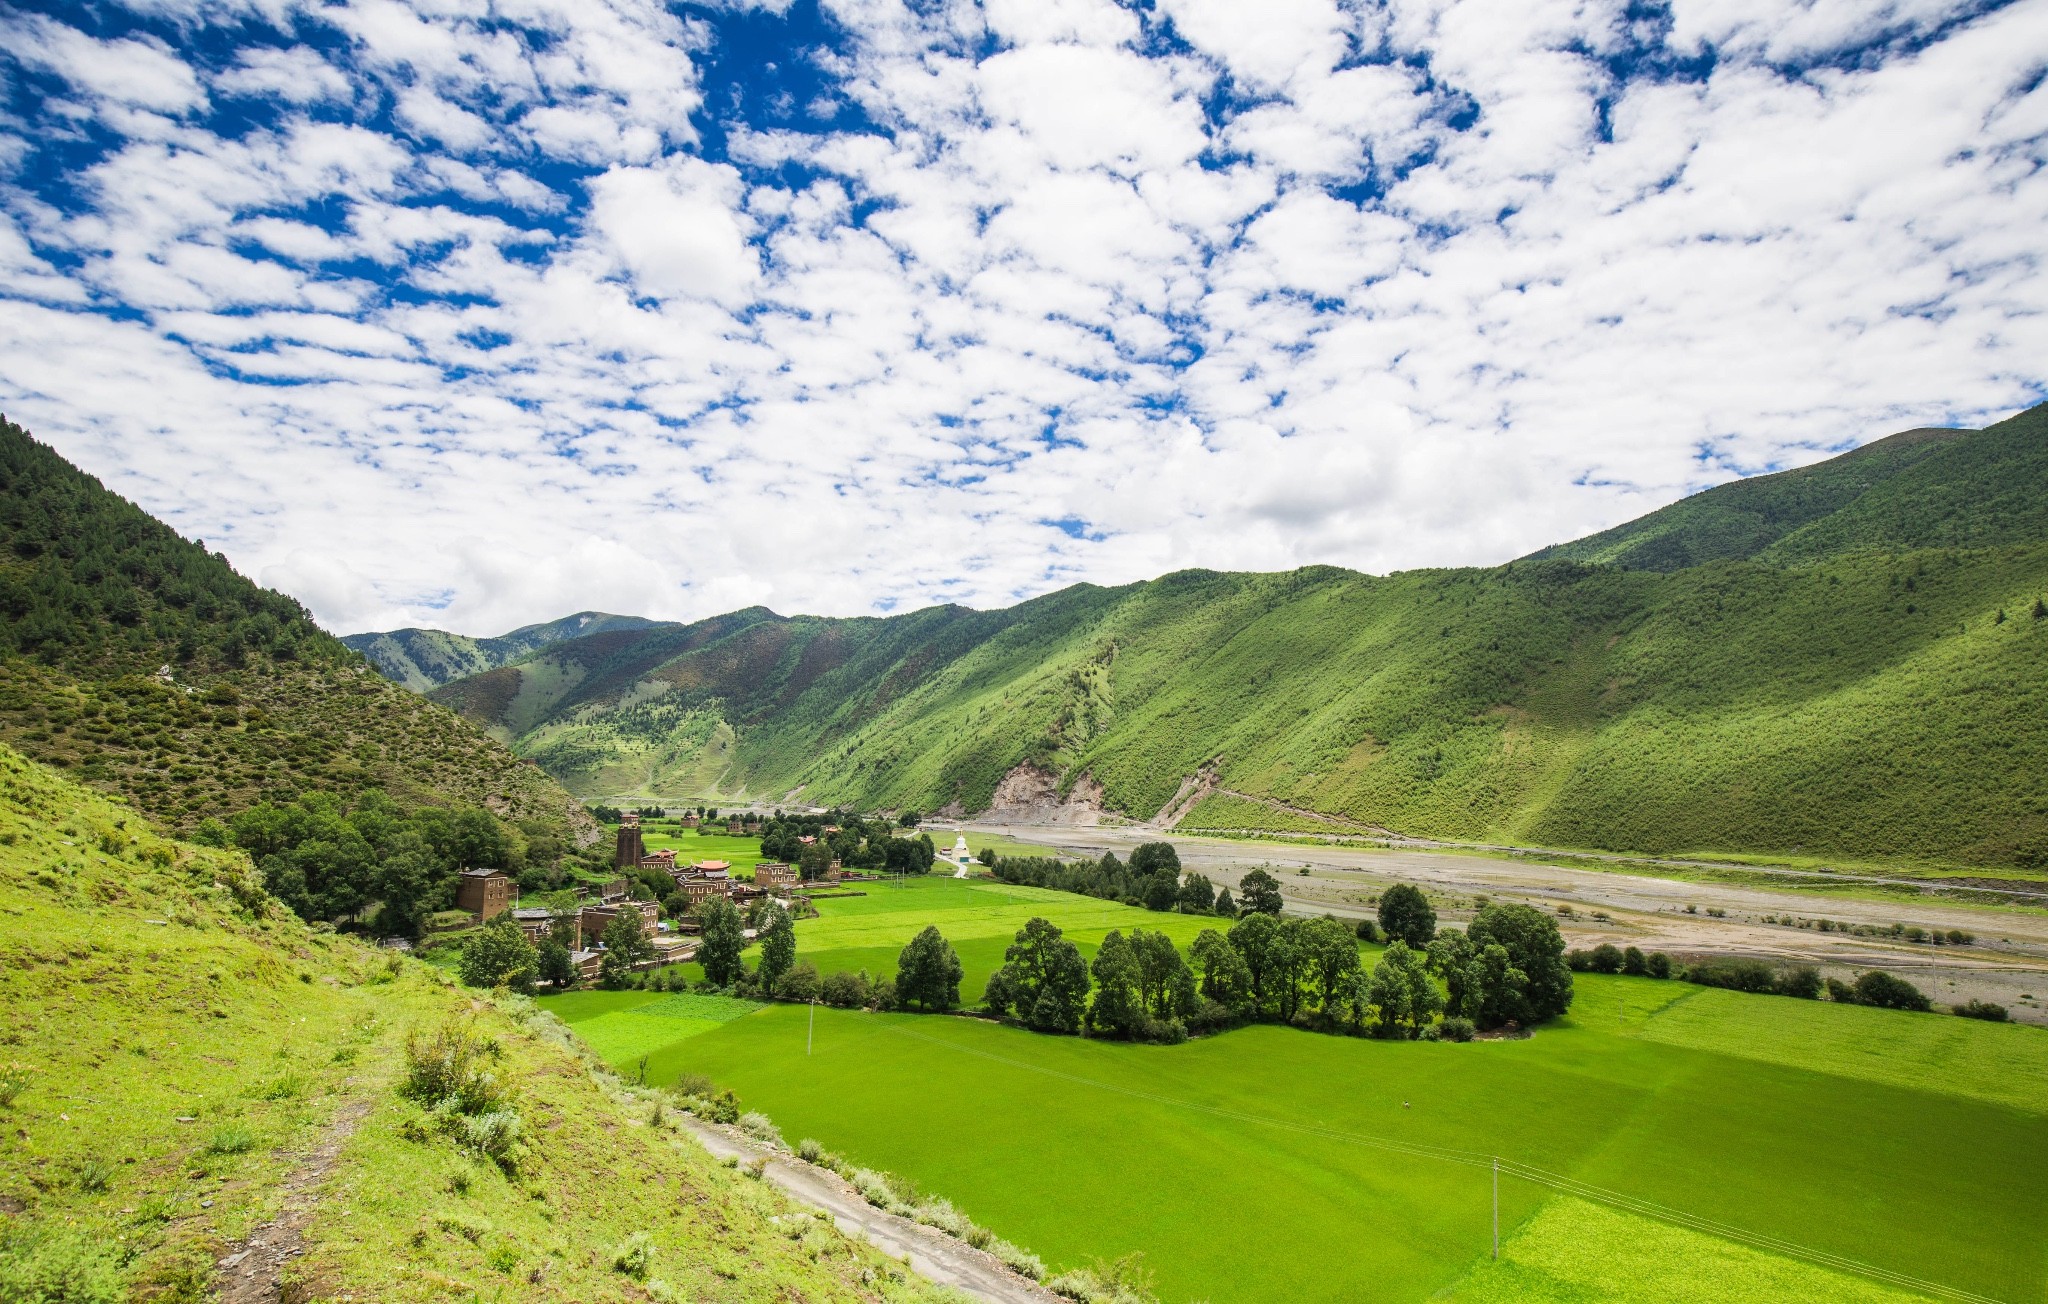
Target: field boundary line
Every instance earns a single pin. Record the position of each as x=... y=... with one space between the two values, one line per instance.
x=1514 y=1168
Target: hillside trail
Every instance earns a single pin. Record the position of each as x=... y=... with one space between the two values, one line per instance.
x=253 y=1273
x=929 y=1252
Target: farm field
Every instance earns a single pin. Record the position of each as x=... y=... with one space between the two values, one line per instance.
x=693 y=846
x=1255 y=1165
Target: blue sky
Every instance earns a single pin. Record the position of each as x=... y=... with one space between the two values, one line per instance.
x=471 y=313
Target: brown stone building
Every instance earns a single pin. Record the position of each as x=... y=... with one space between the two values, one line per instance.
x=631 y=849
x=484 y=893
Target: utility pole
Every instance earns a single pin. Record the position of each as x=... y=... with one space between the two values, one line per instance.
x=1496 y=1206
x=814 y=1027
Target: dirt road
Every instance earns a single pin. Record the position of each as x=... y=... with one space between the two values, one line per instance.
x=2007 y=962
x=931 y=1254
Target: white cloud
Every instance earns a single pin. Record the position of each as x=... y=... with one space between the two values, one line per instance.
x=864 y=367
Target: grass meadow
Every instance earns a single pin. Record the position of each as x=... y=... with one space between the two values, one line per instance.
x=1275 y=1164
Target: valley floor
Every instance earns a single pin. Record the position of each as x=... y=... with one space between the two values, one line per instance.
x=1692 y=1143
x=2007 y=963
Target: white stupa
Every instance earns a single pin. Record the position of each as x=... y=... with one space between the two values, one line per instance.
x=961 y=857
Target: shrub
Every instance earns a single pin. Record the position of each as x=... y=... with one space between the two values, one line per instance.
x=1658 y=965
x=449 y=1064
x=1634 y=962
x=809 y=1150
x=800 y=984
x=233 y=1139
x=1733 y=973
x=1802 y=982
x=1606 y=958
x=846 y=990
x=58 y=1267
x=494 y=1135
x=1881 y=989
x=634 y=1256
x=760 y=1127
x=1578 y=960
x=1841 y=992
x=1368 y=930
x=1017 y=1259
x=725 y=1108
x=694 y=1084
x=96 y=1174
x=1981 y=1010
x=1457 y=1029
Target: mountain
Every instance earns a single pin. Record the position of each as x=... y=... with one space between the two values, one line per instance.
x=139 y=662
x=422 y=659
x=1862 y=677
x=1917 y=489
x=194 y=1077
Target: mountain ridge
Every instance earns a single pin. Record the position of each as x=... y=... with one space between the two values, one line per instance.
x=422 y=659
x=1840 y=687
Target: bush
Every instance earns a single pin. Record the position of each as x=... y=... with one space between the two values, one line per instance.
x=1658 y=965
x=800 y=984
x=725 y=1108
x=846 y=990
x=634 y=1256
x=449 y=1064
x=1634 y=962
x=694 y=1084
x=1606 y=958
x=1985 y=1010
x=1882 y=990
x=760 y=1127
x=233 y=1139
x=809 y=1150
x=1368 y=930
x=493 y=1135
x=1457 y=1029
x=1735 y=974
x=1802 y=982
x=1840 y=992
x=58 y=1267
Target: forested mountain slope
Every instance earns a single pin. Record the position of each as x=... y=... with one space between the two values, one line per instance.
x=422 y=659
x=138 y=661
x=1849 y=690
x=185 y=1061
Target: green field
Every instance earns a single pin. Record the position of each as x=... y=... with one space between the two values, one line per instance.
x=740 y=853
x=1257 y=1164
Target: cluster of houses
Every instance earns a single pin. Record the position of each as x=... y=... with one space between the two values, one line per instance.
x=488 y=893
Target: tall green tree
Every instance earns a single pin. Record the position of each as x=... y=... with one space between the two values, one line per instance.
x=1402 y=996
x=1166 y=986
x=1406 y=914
x=1119 y=1005
x=778 y=948
x=1256 y=939
x=498 y=955
x=928 y=972
x=1536 y=949
x=724 y=939
x=1330 y=951
x=1197 y=894
x=1225 y=907
x=557 y=968
x=1225 y=979
x=626 y=947
x=1259 y=892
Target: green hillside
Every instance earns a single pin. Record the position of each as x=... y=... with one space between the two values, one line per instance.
x=1917 y=489
x=1868 y=684
x=139 y=662
x=182 y=1062
x=422 y=659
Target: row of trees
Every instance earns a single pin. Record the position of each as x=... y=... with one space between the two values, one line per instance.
x=1508 y=967
x=1153 y=878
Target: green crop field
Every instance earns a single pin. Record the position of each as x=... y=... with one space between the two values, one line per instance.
x=1270 y=1163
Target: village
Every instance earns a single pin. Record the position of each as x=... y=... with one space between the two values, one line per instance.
x=484 y=894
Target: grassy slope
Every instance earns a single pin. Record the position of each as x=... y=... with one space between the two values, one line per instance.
x=257 y=702
x=422 y=659
x=161 y=1003
x=1914 y=1142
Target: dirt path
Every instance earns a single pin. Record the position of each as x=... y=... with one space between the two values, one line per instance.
x=930 y=1253
x=253 y=1272
x=2008 y=964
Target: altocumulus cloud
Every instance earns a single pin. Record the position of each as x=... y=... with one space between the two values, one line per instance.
x=476 y=313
